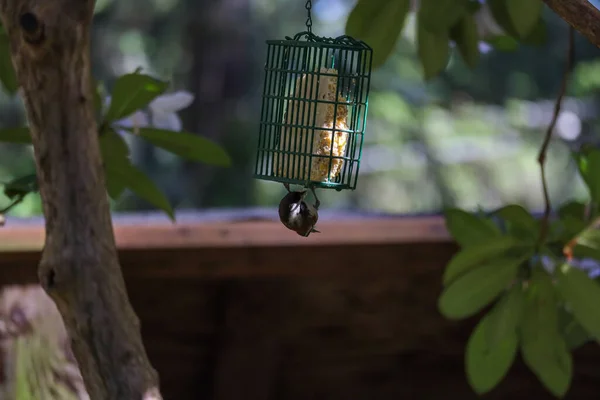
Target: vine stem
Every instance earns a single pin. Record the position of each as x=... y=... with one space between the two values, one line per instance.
x=545 y=223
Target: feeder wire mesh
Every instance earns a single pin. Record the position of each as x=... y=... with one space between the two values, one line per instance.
x=314 y=109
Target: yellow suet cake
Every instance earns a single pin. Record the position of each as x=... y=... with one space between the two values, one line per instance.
x=297 y=139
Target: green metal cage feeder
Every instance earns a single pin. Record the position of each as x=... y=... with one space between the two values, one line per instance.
x=314 y=111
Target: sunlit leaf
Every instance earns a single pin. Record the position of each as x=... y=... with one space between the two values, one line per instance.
x=486 y=364
x=132 y=92
x=474 y=290
x=186 y=145
x=582 y=295
x=379 y=24
x=439 y=15
x=544 y=350
x=15 y=135
x=468 y=229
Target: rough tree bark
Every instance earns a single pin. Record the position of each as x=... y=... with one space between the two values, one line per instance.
x=79 y=267
x=581 y=15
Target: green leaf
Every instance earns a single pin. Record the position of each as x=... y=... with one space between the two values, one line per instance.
x=22 y=186
x=544 y=350
x=438 y=16
x=574 y=334
x=433 y=51
x=379 y=24
x=468 y=229
x=572 y=208
x=464 y=33
x=472 y=257
x=131 y=93
x=582 y=295
x=517 y=17
x=502 y=43
x=113 y=147
x=187 y=145
x=588 y=162
x=124 y=173
x=505 y=317
x=474 y=290
x=486 y=365
x=521 y=223
x=15 y=135
x=7 y=70
x=538 y=36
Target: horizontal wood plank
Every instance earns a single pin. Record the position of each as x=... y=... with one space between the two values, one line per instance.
x=231 y=232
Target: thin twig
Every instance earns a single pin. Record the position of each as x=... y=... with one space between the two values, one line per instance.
x=544 y=149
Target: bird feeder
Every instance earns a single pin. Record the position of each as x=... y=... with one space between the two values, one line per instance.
x=314 y=111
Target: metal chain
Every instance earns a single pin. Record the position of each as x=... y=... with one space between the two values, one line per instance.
x=308 y=7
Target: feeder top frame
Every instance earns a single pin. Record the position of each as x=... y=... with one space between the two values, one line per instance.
x=309 y=39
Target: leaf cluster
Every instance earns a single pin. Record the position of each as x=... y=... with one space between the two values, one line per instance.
x=535 y=297
x=131 y=92
x=444 y=24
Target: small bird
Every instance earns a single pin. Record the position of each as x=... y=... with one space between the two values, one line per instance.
x=296 y=214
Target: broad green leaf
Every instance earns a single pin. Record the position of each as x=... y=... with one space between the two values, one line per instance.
x=112 y=146
x=581 y=251
x=572 y=208
x=588 y=162
x=574 y=334
x=486 y=364
x=7 y=70
x=187 y=145
x=521 y=223
x=464 y=33
x=15 y=135
x=544 y=350
x=505 y=317
x=472 y=257
x=582 y=295
x=588 y=241
x=474 y=290
x=468 y=229
x=439 y=15
x=433 y=51
x=502 y=43
x=517 y=17
x=131 y=93
x=126 y=174
x=379 y=24
x=21 y=186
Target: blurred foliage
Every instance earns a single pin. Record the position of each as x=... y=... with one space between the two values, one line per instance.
x=459 y=139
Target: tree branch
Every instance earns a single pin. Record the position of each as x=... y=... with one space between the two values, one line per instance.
x=581 y=15
x=545 y=222
x=79 y=268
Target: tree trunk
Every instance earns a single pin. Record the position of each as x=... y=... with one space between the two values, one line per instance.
x=79 y=267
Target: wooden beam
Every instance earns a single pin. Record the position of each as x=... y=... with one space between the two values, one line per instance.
x=156 y=233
